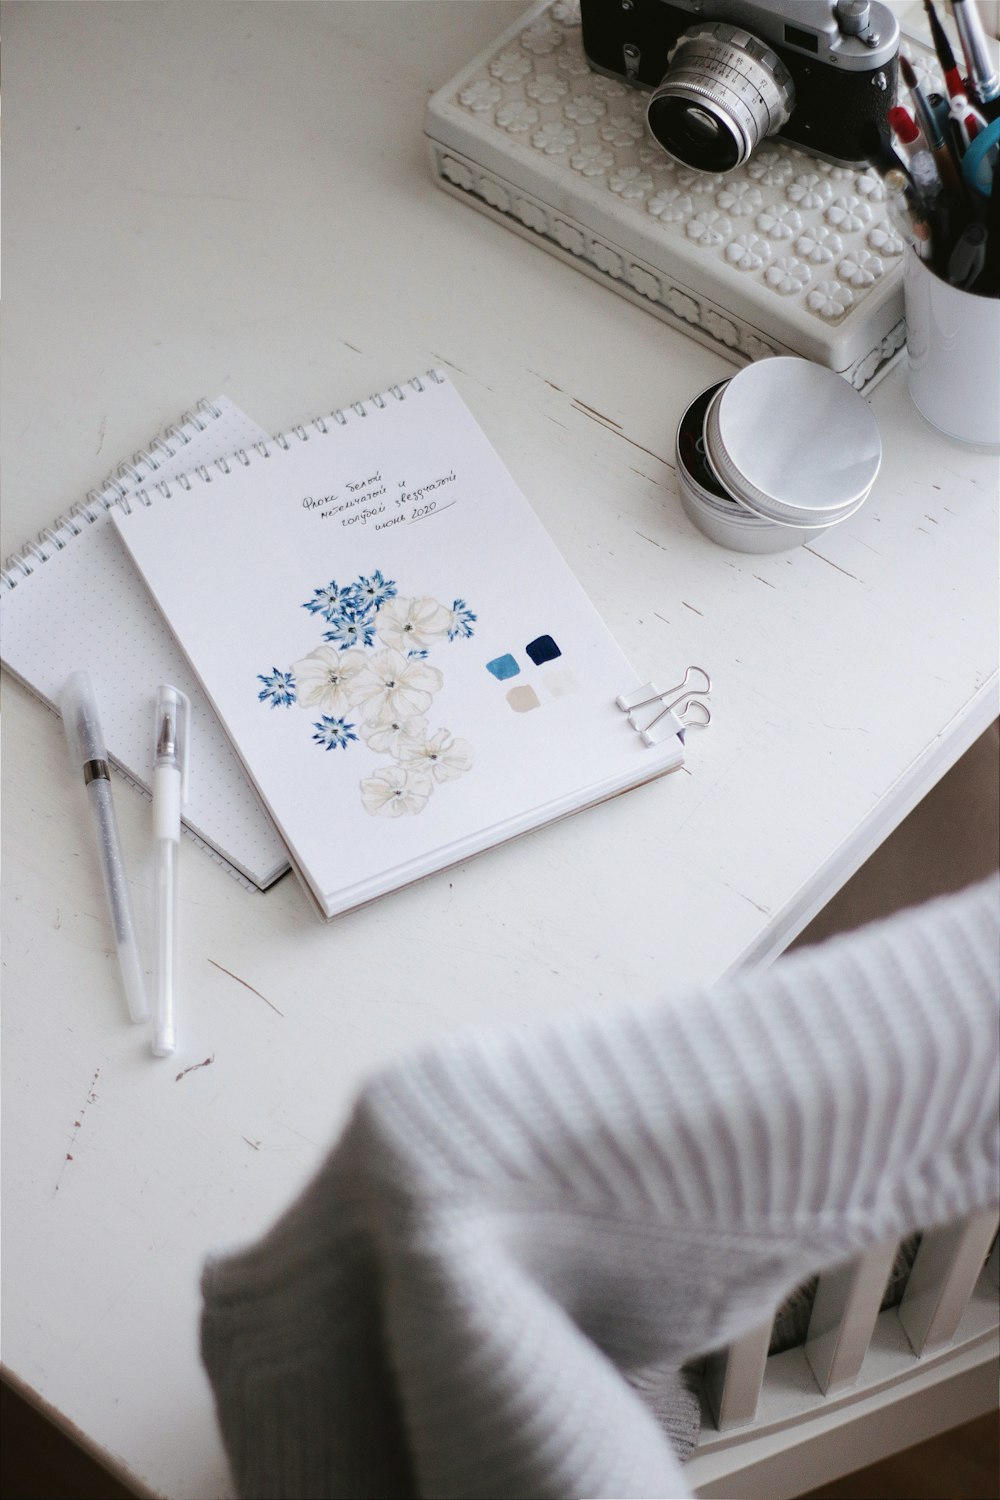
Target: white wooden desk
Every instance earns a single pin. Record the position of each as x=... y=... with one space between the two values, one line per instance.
x=206 y=198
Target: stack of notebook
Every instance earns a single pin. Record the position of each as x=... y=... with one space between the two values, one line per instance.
x=391 y=666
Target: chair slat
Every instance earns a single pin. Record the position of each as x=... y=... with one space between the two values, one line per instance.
x=944 y=1273
x=843 y=1317
x=734 y=1376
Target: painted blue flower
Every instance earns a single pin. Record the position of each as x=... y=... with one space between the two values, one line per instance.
x=333 y=734
x=329 y=601
x=279 y=688
x=462 y=622
x=371 y=593
x=350 y=629
x=418 y=655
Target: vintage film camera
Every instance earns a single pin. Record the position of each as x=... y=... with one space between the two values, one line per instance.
x=725 y=74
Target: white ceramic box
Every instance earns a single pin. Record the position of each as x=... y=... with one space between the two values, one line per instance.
x=786 y=255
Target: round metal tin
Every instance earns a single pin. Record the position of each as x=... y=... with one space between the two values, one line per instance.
x=793 y=442
x=707 y=504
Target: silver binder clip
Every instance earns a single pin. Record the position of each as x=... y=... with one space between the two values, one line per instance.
x=676 y=708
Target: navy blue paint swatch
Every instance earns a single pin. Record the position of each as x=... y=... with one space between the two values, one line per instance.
x=542 y=649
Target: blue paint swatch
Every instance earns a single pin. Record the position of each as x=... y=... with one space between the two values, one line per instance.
x=542 y=649
x=503 y=667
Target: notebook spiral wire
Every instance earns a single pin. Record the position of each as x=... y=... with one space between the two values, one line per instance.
x=98 y=501
x=284 y=440
x=146 y=462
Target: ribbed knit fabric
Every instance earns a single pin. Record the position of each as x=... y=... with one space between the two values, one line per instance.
x=517 y=1228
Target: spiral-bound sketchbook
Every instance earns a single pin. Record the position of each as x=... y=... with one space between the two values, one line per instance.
x=401 y=656
x=73 y=600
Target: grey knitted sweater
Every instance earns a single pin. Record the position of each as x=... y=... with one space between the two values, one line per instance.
x=519 y=1232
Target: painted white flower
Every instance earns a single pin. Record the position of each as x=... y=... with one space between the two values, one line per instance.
x=621 y=130
x=869 y=185
x=553 y=138
x=385 y=739
x=324 y=677
x=480 y=95
x=392 y=687
x=780 y=222
x=585 y=109
x=566 y=11
x=830 y=299
x=810 y=190
x=412 y=624
x=819 y=244
x=547 y=88
x=739 y=198
x=592 y=160
x=439 y=755
x=748 y=251
x=849 y=213
x=510 y=67
x=630 y=182
x=671 y=205
x=542 y=38
x=788 y=275
x=770 y=168
x=697 y=182
x=884 y=240
x=861 y=268
x=393 y=792
x=710 y=228
x=516 y=116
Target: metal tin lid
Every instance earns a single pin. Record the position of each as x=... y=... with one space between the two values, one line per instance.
x=793 y=442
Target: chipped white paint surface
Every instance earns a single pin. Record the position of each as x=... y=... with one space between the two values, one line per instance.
x=255 y=214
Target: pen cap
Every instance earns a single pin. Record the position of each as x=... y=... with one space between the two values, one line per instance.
x=81 y=720
x=173 y=732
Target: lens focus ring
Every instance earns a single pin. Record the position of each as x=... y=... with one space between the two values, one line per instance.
x=723 y=92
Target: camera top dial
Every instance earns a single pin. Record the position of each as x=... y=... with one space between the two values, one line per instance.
x=723 y=92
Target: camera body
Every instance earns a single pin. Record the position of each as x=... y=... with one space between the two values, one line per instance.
x=725 y=74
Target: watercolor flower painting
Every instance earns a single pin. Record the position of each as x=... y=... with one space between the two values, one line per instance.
x=372 y=685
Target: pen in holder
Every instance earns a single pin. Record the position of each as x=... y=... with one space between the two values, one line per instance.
x=952 y=304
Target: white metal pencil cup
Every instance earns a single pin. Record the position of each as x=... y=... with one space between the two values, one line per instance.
x=953 y=349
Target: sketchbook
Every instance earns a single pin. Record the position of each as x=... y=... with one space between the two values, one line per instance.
x=402 y=658
x=74 y=600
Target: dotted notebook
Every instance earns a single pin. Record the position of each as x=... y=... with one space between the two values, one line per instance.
x=404 y=661
x=73 y=600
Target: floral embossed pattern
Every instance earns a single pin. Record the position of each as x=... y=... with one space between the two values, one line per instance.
x=802 y=237
x=370 y=682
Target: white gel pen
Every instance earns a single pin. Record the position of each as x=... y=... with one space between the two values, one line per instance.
x=78 y=707
x=170 y=781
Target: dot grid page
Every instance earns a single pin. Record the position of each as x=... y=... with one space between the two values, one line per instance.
x=75 y=601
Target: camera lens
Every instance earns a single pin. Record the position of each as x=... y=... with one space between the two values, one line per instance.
x=722 y=94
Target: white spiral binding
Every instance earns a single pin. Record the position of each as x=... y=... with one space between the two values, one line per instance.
x=112 y=493
x=97 y=502
x=284 y=440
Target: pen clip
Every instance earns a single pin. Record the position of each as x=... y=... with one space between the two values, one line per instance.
x=173 y=733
